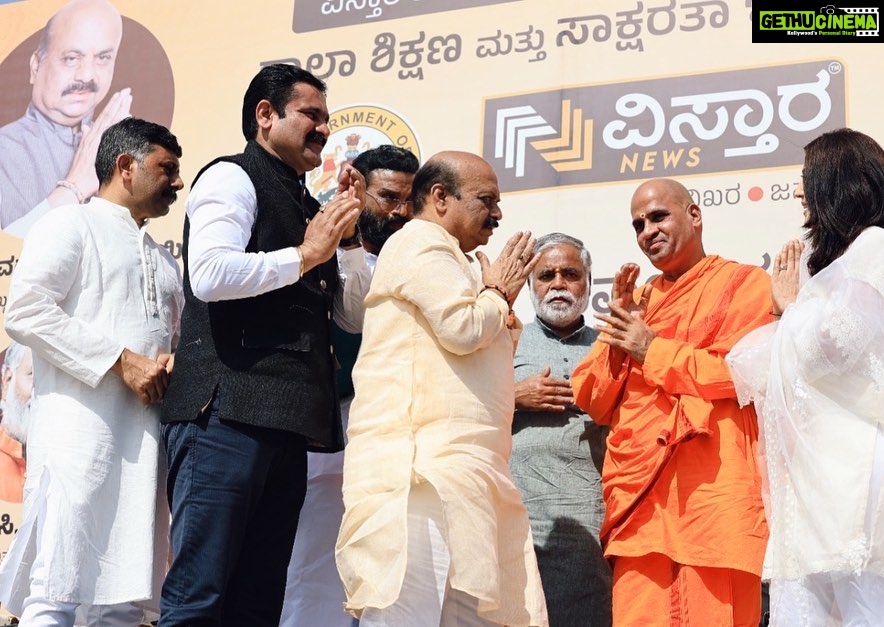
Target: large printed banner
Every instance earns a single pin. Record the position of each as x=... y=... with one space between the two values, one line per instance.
x=574 y=103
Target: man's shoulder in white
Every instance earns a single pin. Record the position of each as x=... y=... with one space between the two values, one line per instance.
x=220 y=181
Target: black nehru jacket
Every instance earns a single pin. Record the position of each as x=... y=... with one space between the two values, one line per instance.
x=270 y=355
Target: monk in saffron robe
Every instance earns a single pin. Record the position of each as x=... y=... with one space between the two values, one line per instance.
x=684 y=528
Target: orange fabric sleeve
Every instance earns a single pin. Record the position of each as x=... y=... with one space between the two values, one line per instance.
x=598 y=383
x=680 y=367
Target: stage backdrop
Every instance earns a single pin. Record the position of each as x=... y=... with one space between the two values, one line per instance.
x=574 y=103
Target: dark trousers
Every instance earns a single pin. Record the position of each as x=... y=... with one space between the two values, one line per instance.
x=235 y=492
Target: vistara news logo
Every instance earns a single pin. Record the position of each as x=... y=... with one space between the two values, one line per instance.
x=857 y=23
x=728 y=120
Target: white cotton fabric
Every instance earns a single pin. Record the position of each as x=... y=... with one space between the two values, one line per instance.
x=90 y=283
x=817 y=380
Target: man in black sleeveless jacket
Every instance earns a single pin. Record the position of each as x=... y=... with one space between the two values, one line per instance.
x=253 y=387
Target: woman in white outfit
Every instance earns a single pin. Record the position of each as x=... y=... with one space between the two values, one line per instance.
x=817 y=379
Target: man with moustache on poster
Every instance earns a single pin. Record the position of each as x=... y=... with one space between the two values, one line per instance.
x=47 y=157
x=557 y=449
x=254 y=384
x=314 y=594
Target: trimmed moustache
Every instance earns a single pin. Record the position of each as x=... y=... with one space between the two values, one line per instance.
x=80 y=86
x=316 y=138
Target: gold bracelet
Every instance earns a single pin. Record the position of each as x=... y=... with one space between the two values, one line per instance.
x=301 y=259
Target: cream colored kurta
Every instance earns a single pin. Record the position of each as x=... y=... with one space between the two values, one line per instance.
x=434 y=402
x=90 y=283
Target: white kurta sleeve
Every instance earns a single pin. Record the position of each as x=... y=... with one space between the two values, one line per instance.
x=46 y=276
x=355 y=276
x=749 y=363
x=221 y=208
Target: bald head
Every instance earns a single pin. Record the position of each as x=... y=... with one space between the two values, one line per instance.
x=668 y=226
x=444 y=169
x=663 y=188
x=459 y=191
x=77 y=11
x=72 y=68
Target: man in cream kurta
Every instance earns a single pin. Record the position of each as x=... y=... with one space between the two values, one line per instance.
x=314 y=594
x=426 y=480
x=98 y=302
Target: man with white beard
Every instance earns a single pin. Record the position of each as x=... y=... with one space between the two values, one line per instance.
x=558 y=449
x=18 y=390
x=17 y=381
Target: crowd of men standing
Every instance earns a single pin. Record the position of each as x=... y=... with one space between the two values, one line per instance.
x=494 y=474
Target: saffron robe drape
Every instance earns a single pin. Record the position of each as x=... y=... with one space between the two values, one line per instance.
x=680 y=476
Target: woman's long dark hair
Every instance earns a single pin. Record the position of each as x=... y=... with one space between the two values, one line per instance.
x=844 y=190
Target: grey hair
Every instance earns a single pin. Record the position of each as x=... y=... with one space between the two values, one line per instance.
x=553 y=239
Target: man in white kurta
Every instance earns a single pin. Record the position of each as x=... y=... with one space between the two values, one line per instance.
x=98 y=302
x=434 y=529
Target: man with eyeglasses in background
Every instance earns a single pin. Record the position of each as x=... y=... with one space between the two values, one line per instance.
x=314 y=594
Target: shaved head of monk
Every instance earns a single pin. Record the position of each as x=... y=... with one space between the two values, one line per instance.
x=668 y=226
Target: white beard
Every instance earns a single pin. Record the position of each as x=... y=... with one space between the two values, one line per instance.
x=559 y=314
x=16 y=415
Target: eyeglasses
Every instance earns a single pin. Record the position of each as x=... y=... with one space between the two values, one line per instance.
x=391 y=204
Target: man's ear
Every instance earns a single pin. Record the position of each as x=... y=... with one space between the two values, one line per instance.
x=125 y=165
x=696 y=214
x=34 y=65
x=439 y=198
x=4 y=382
x=264 y=113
